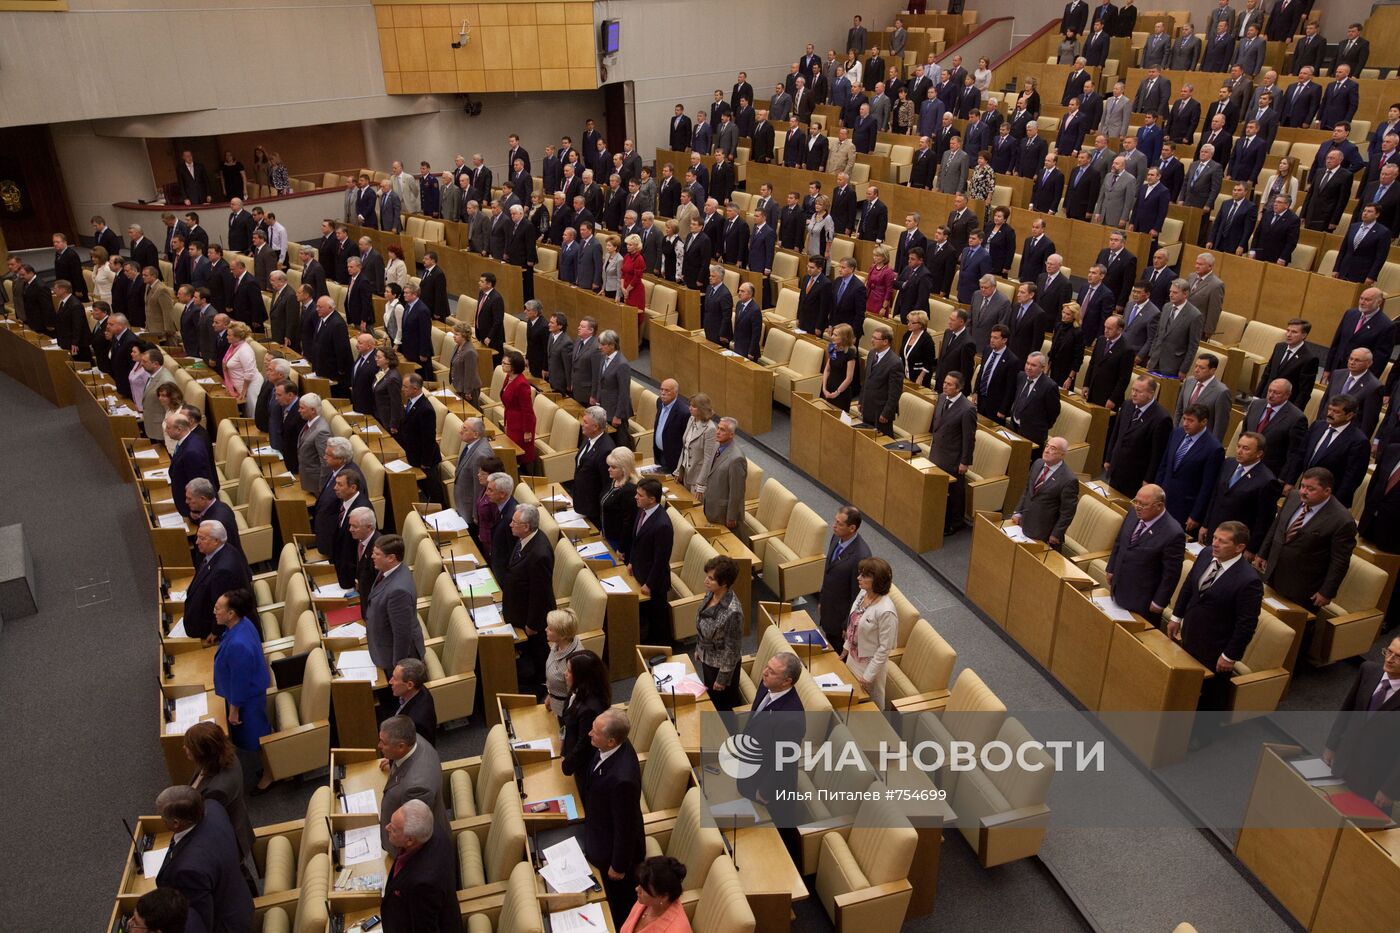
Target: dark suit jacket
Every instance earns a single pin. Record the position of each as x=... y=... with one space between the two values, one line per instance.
x=191 y=460
x=1188 y=485
x=1365 y=743
x=528 y=591
x=1033 y=414
x=716 y=313
x=1367 y=393
x=667 y=441
x=331 y=357
x=418 y=435
x=1317 y=558
x=1047 y=511
x=220 y=512
x=225 y=570
x=1380 y=516
x=421 y=709
x=748 y=330
x=1276 y=236
x=848 y=305
x=1356 y=264
x=881 y=387
x=591 y=477
x=1347 y=457
x=994 y=396
x=1109 y=372
x=959 y=356
x=839 y=587
x=1325 y=203
x=1376 y=335
x=1284 y=435
x=613 y=836
x=814 y=300
x=650 y=553
x=205 y=867
x=1219 y=620
x=421 y=895
x=362 y=384
x=1135 y=452
x=1253 y=500
x=1300 y=370
x=1146 y=572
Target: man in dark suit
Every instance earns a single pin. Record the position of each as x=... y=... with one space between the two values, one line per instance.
x=1053 y=288
x=1120 y=267
x=1338 y=445
x=1139 y=439
x=680 y=130
x=1276 y=236
x=874 y=216
x=189 y=459
x=418 y=436
x=143 y=251
x=1367 y=326
x=1283 y=425
x=1027 y=320
x=951 y=448
x=1082 y=189
x=490 y=320
x=1215 y=617
x=844 y=206
x=672 y=415
x=1308 y=548
x=415 y=773
x=221 y=569
x=848 y=297
x=1293 y=359
x=1309 y=49
x=528 y=591
x=1035 y=406
x=1328 y=195
x=412 y=699
x=1110 y=366
x=1145 y=564
x=67 y=265
x=1184 y=117
x=1051 y=496
x=748 y=324
x=961 y=224
x=1365 y=248
x=995 y=386
x=649 y=560
x=421 y=891
x=717 y=310
x=1246 y=491
x=1034 y=252
x=1189 y=467
x=610 y=783
x=814 y=298
x=1047 y=188
x=1361 y=744
x=939 y=260
x=204 y=865
x=590 y=468
x=241 y=223
x=844 y=552
x=883 y=382
x=1357 y=381
x=1096 y=303
x=329 y=347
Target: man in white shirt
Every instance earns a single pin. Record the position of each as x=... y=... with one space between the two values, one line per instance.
x=1361 y=744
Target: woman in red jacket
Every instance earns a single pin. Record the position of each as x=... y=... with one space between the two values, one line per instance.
x=633 y=291
x=518 y=401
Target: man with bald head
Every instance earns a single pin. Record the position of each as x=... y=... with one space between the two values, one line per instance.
x=1280 y=422
x=1051 y=496
x=672 y=415
x=1145 y=565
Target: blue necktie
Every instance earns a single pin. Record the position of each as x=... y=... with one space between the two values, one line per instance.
x=1239 y=473
x=1183 y=450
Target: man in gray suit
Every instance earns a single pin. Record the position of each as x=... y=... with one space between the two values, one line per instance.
x=951 y=449
x=1139 y=321
x=392 y=631
x=1156 y=48
x=613 y=388
x=475 y=448
x=1202 y=183
x=723 y=498
x=1154 y=94
x=1249 y=54
x=1202 y=388
x=989 y=308
x=1206 y=291
x=1307 y=551
x=1134 y=160
x=311 y=443
x=390 y=208
x=152 y=411
x=264 y=261
x=1051 y=496
x=1117 y=196
x=1185 y=51
x=727 y=138
x=952 y=172
x=780 y=104
x=1145 y=565
x=415 y=773
x=1117 y=110
x=884 y=383
x=586 y=360
x=590 y=259
x=1178 y=334
x=1357 y=380
x=559 y=352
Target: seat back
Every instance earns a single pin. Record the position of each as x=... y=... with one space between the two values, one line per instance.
x=315 y=704
x=786 y=308
x=505 y=841
x=723 y=907
x=520 y=910
x=459 y=650
x=974 y=713
x=1362 y=587
x=777 y=348
x=681 y=533
x=692 y=844
x=666 y=774
x=447 y=599
x=928 y=659
x=589 y=601
x=1268 y=648
x=990 y=456
x=882 y=842
x=567 y=565
x=645 y=711
x=415 y=532
x=775 y=505
x=697 y=554
x=806 y=532
x=915 y=415
x=497 y=766
x=1094 y=528
x=311 y=899
x=806 y=358
x=1023 y=784
x=427 y=569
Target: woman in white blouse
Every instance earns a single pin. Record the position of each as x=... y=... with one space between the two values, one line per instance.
x=396 y=270
x=1282 y=183
x=982 y=76
x=871 y=628
x=241 y=376
x=612 y=267
x=104 y=270
x=393 y=313
x=697 y=445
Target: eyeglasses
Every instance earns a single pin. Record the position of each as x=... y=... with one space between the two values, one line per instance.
x=1388 y=654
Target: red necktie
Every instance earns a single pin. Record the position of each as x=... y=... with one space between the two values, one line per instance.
x=1264 y=421
x=1040 y=480
x=1197 y=393
x=1393 y=481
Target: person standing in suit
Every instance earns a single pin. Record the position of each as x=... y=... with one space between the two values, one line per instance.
x=1117 y=195
x=610 y=783
x=1189 y=467
x=420 y=893
x=1051 y=496
x=1178 y=333
x=204 y=865
x=1308 y=549
x=1027 y=321
x=466 y=485
x=559 y=351
x=1145 y=564
x=1367 y=326
x=883 y=383
x=391 y=619
x=1246 y=491
x=586 y=360
x=190 y=457
x=951 y=447
x=649 y=561
x=330 y=347
x=1035 y=404
x=362 y=373
x=1276 y=236
x=1110 y=366
x=1357 y=381
x=1328 y=195
x=1140 y=434
x=1215 y=617
x=490 y=322
x=612 y=388
x=418 y=436
x=590 y=468
x=1365 y=247
x=1292 y=359
x=672 y=414
x=1361 y=743
x=995 y=385
x=723 y=498
x=1283 y=426
x=1337 y=444
x=528 y=592
x=412 y=699
x=959 y=350
x=415 y=773
x=844 y=552
x=1202 y=387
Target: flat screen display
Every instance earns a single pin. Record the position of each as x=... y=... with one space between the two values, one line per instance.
x=612 y=36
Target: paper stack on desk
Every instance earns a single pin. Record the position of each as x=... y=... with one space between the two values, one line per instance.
x=349 y=630
x=362 y=802
x=397 y=466
x=596 y=550
x=558 y=499
x=488 y=621
x=151 y=860
x=188 y=711
x=171 y=520
x=579 y=919
x=565 y=868
x=568 y=518
x=332 y=591
x=362 y=845
x=672 y=677
x=477 y=582
x=161 y=473
x=356 y=665
x=147 y=453
x=266 y=452
x=832 y=682
x=1014 y=532
x=615 y=585
x=533 y=745
x=177 y=630
x=1111 y=609
x=176 y=596
x=446 y=520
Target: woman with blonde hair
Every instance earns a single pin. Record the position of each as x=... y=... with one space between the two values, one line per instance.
x=1066 y=347
x=463 y=372
x=619 y=502
x=820 y=229
x=612 y=268
x=920 y=360
x=697 y=445
x=840 y=367
x=879 y=283
x=633 y=289
x=561 y=632
x=241 y=376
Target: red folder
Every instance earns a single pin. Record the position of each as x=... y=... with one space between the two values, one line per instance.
x=1359 y=809
x=342 y=615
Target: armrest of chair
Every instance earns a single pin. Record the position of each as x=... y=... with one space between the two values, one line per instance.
x=866 y=907
x=1090 y=557
x=450 y=680
x=481 y=825
x=686 y=602
x=274 y=739
x=656 y=817
x=1257 y=677
x=269 y=575
x=1034 y=812
x=922 y=702
x=287 y=899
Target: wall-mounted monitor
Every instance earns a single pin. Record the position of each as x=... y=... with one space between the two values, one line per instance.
x=611 y=40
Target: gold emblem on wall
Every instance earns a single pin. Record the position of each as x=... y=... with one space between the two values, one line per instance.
x=11 y=196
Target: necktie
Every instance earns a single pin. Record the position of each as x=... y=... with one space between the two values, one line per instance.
x=1040 y=480
x=1380 y=696
x=1322 y=445
x=1296 y=525
x=1132 y=314
x=1380 y=193
x=1326 y=177
x=1183 y=450
x=1211 y=575
x=1137 y=532
x=1360 y=235
x=1266 y=418
x=767 y=700
x=1360 y=323
x=1089 y=296
x=1196 y=393
x=1239 y=474
x=989 y=369
x=1392 y=481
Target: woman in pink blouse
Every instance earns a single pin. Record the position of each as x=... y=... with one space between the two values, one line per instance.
x=241 y=376
x=879 y=283
x=660 y=880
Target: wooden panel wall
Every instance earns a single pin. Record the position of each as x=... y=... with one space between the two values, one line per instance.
x=519 y=46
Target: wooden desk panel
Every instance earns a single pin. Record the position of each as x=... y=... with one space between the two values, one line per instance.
x=1033 y=610
x=1360 y=889
x=870 y=465
x=805 y=447
x=1018 y=466
x=989 y=569
x=837 y=452
x=916 y=503
x=1148 y=673
x=1281 y=295
x=674 y=355
x=1327 y=299
x=1080 y=657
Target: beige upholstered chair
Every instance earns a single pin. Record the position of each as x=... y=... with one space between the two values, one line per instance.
x=451 y=663
x=863 y=873
x=802 y=372
x=783 y=313
x=1348 y=625
x=301 y=715
x=770 y=643
x=794 y=558
x=1002 y=814
x=972 y=714
x=914 y=420
x=777 y=347
x=1260 y=678
x=558 y=448
x=688 y=587
x=986 y=478
x=694 y=845
x=665 y=775
x=480 y=779
x=309 y=915
x=723 y=906
x=489 y=847
x=271 y=587
x=1091 y=534
x=285 y=855
x=519 y=910
x=922 y=672
x=775 y=504
x=645 y=711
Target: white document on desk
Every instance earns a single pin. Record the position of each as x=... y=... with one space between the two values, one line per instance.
x=176 y=596
x=830 y=682
x=148 y=453
x=151 y=860
x=668 y=671
x=579 y=919
x=568 y=518
x=447 y=520
x=161 y=473
x=1111 y=609
x=534 y=745
x=846 y=418
x=565 y=867
x=487 y=616
x=1194 y=548
x=596 y=549
x=348 y=630
x=397 y=466
x=561 y=499
x=192 y=707
x=1015 y=533
x=171 y=520
x=177 y=630
x=362 y=845
x=362 y=802
x=332 y=591
x=615 y=585
x=356 y=658
x=1275 y=604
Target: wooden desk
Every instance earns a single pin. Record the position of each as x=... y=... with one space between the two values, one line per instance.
x=133 y=883
x=353 y=708
x=172 y=743
x=989 y=567
x=1080 y=659
x=675 y=355
x=622 y=623
x=1361 y=883
x=1149 y=673
x=1039 y=577
x=738 y=386
x=362 y=773
x=817 y=661
x=191 y=664
x=916 y=503
x=1017 y=467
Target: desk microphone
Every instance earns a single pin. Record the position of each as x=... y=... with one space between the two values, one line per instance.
x=330 y=662
x=337 y=921
x=510 y=726
x=167 y=661
x=141 y=843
